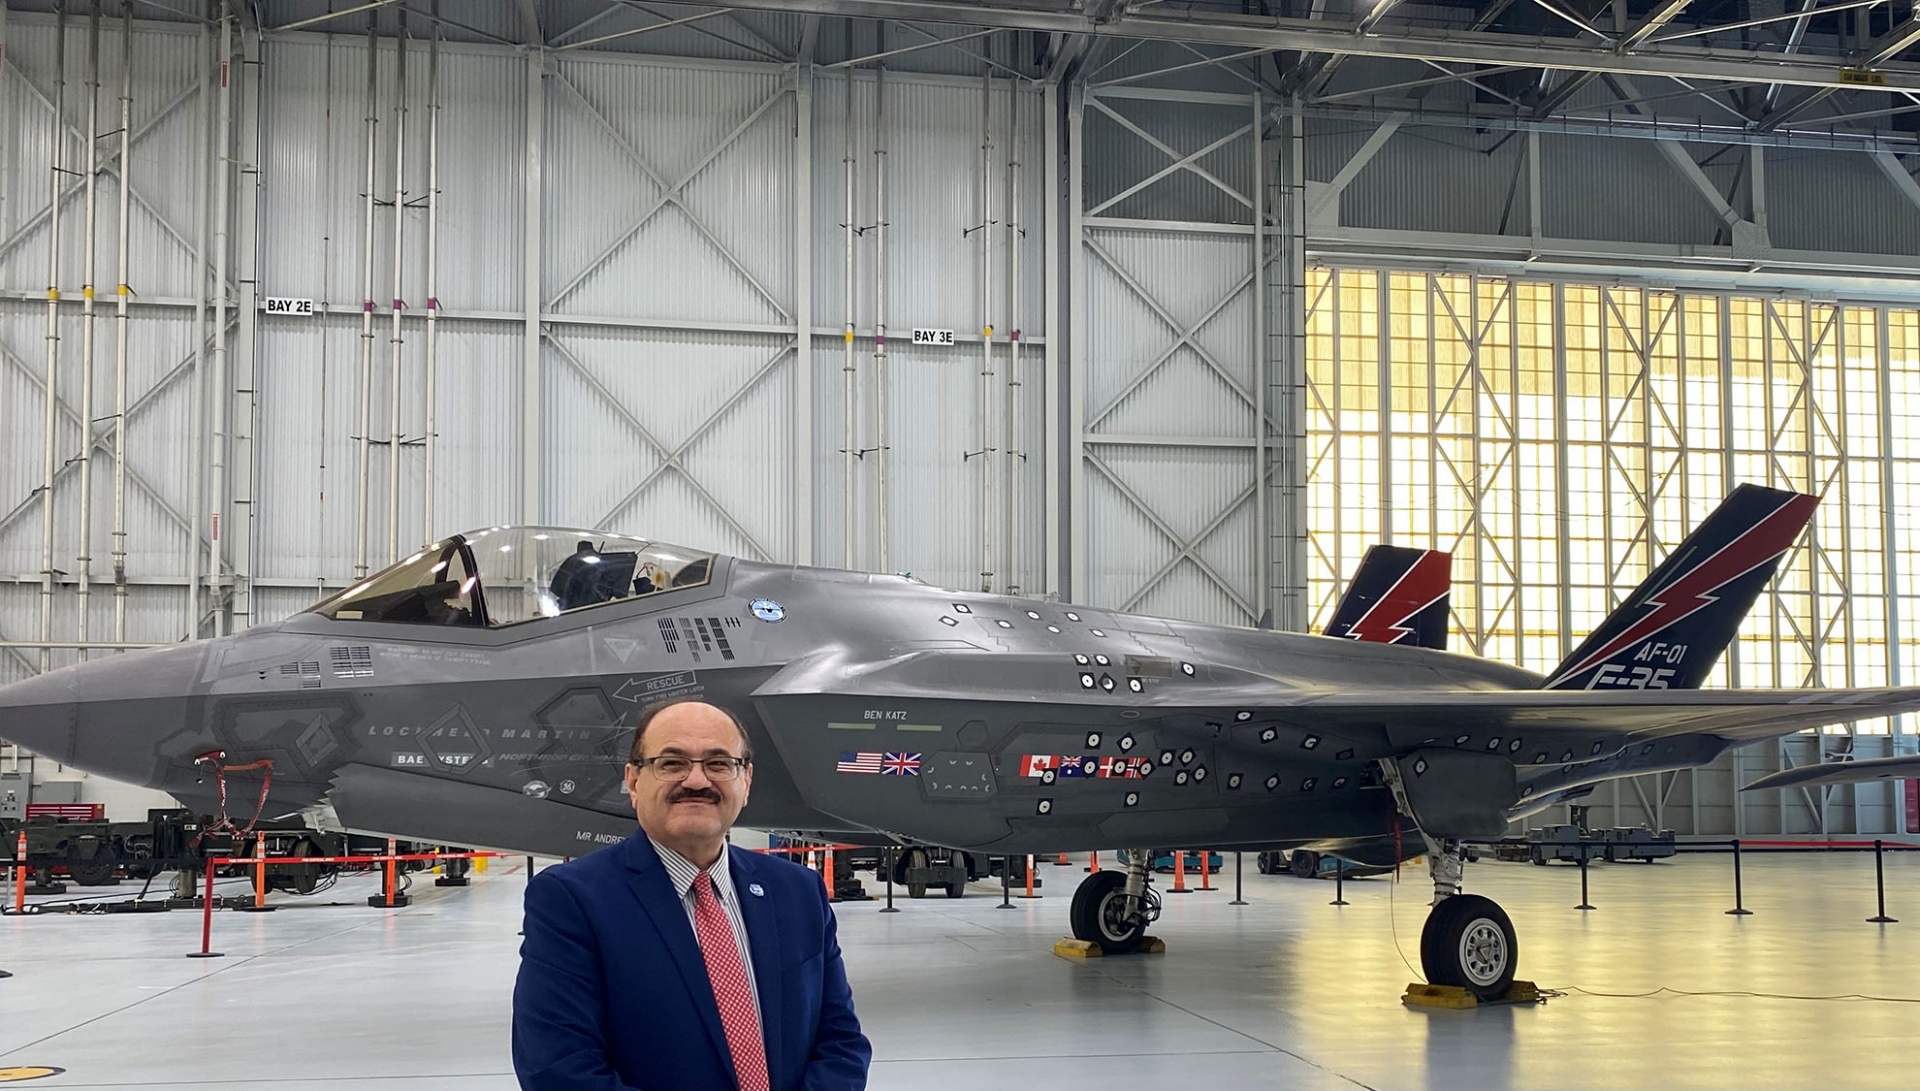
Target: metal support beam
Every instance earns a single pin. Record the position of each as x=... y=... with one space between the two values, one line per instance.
x=1753 y=66
x=1897 y=173
x=1352 y=167
x=1882 y=51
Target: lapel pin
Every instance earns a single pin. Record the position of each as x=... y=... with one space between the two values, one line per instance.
x=754 y=889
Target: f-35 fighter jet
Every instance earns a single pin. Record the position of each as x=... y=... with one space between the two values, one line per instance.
x=481 y=692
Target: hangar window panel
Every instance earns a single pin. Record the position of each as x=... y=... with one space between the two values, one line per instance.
x=1561 y=438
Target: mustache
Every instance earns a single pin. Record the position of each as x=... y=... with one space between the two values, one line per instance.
x=707 y=794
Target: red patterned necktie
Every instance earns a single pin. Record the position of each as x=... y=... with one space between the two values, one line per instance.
x=729 y=978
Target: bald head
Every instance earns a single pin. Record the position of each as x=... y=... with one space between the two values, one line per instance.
x=684 y=712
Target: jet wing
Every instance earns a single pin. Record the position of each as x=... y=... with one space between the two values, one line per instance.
x=1739 y=714
x=1840 y=772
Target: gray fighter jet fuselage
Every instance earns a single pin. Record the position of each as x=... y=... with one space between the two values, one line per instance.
x=877 y=706
x=482 y=691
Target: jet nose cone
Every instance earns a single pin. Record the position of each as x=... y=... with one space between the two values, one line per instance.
x=100 y=716
x=43 y=714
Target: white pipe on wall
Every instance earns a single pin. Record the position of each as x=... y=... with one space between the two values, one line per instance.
x=121 y=292
x=48 y=456
x=880 y=303
x=433 y=269
x=363 y=469
x=848 y=374
x=89 y=263
x=196 y=411
x=395 y=341
x=1016 y=444
x=222 y=400
x=987 y=392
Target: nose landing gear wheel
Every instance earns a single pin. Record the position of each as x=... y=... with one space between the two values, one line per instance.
x=1469 y=942
x=1103 y=914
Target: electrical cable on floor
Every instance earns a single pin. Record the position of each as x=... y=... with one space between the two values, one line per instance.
x=1394 y=923
x=37 y=906
x=1738 y=993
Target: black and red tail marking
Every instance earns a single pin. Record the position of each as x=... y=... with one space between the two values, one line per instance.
x=1398 y=596
x=1672 y=629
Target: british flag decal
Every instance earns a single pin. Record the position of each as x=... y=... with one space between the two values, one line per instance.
x=900 y=765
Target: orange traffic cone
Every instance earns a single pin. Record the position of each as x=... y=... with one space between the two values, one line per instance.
x=1180 y=872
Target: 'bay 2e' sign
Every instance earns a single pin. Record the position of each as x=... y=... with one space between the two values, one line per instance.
x=285 y=305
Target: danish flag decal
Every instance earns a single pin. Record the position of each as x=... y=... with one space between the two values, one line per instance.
x=1398 y=596
x=1669 y=633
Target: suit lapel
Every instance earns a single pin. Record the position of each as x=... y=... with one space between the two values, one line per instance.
x=650 y=883
x=763 y=935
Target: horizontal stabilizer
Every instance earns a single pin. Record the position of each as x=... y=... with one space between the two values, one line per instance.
x=1840 y=772
x=1398 y=596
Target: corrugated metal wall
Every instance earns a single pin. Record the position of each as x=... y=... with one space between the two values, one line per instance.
x=933 y=135
x=1169 y=367
x=668 y=299
x=162 y=226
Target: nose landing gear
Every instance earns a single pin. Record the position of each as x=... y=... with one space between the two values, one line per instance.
x=1113 y=908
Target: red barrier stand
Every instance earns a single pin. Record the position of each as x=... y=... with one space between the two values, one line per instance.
x=20 y=874
x=206 y=920
x=1179 y=872
x=1205 y=884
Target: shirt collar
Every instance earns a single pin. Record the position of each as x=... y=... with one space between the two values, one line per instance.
x=684 y=873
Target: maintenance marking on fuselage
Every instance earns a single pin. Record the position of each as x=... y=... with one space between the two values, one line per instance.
x=919 y=727
x=852 y=727
x=23 y=1073
x=658 y=687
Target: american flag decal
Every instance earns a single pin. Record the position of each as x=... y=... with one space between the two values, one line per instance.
x=860 y=761
x=900 y=765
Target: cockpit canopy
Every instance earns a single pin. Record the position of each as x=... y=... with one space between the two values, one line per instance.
x=509 y=575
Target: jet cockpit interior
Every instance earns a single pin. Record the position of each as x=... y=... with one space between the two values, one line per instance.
x=509 y=575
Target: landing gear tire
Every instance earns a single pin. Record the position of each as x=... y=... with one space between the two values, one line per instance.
x=916 y=858
x=1469 y=942
x=1101 y=913
x=1271 y=863
x=959 y=889
x=1304 y=864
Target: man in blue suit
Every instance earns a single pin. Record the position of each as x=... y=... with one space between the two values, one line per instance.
x=674 y=961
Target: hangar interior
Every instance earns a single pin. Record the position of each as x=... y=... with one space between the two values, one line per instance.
x=1540 y=317
x=1168 y=307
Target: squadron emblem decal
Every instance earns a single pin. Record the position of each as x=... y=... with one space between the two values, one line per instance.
x=767 y=610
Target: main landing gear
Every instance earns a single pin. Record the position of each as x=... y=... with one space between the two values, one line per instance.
x=1468 y=940
x=1114 y=908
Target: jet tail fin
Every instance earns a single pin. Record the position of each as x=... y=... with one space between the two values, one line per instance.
x=1397 y=596
x=1669 y=633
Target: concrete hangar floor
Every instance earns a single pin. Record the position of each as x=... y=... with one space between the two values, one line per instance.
x=1286 y=991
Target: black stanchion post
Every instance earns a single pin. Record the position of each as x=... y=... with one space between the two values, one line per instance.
x=1237 y=899
x=886 y=861
x=1583 y=878
x=1339 y=882
x=1880 y=887
x=1006 y=883
x=1739 y=902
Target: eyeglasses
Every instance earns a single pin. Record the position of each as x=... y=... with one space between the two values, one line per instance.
x=672 y=768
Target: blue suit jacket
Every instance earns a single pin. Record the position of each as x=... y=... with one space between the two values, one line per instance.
x=613 y=993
